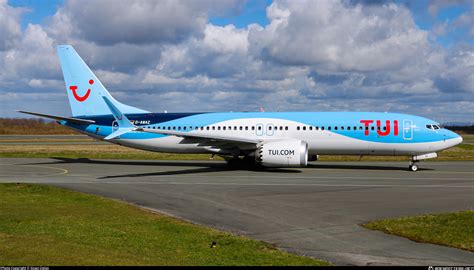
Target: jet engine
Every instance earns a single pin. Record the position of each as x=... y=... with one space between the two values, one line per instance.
x=282 y=153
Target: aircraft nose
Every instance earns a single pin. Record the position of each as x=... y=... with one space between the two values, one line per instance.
x=458 y=140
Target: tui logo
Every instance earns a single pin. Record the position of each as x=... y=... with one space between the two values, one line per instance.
x=73 y=88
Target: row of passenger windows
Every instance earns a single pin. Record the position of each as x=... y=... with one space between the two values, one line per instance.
x=259 y=127
x=339 y=128
x=218 y=128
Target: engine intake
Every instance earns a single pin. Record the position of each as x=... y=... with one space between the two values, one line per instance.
x=282 y=153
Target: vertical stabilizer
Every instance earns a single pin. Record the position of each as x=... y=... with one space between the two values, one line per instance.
x=84 y=89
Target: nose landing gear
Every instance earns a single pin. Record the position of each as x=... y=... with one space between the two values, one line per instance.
x=415 y=159
x=413 y=166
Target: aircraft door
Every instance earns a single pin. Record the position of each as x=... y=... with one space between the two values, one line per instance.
x=259 y=130
x=270 y=129
x=407 y=129
x=115 y=127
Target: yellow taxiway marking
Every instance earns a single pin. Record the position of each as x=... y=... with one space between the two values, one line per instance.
x=62 y=171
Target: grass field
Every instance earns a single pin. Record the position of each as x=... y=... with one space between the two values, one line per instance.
x=451 y=229
x=19 y=147
x=43 y=225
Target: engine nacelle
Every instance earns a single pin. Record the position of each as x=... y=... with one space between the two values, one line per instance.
x=282 y=153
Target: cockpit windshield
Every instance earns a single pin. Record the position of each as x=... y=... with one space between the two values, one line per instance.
x=433 y=127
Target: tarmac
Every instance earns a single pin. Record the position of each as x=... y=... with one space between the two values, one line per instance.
x=314 y=211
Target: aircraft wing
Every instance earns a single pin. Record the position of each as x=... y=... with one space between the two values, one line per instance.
x=206 y=137
x=55 y=117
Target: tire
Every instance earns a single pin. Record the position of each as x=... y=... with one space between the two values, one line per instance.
x=413 y=168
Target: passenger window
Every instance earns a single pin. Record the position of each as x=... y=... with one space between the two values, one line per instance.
x=329 y=128
x=360 y=128
x=246 y=128
x=269 y=127
x=335 y=128
x=223 y=128
x=322 y=128
x=259 y=127
x=342 y=128
x=281 y=127
x=174 y=128
x=348 y=128
x=298 y=128
x=355 y=128
x=213 y=128
x=240 y=128
x=219 y=128
x=207 y=128
x=235 y=127
x=372 y=128
x=202 y=128
x=286 y=128
x=304 y=127
x=253 y=127
x=310 y=127
x=384 y=128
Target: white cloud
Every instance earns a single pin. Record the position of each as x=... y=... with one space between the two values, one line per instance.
x=334 y=35
x=10 y=29
x=312 y=56
x=108 y=22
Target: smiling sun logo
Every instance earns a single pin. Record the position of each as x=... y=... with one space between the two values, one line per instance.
x=73 y=88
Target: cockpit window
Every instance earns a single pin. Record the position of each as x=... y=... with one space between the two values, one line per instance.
x=433 y=127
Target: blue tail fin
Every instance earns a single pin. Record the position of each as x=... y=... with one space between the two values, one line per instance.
x=84 y=90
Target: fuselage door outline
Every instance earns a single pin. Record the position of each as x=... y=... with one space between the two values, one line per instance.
x=407 y=129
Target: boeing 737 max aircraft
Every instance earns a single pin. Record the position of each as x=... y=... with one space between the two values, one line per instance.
x=268 y=139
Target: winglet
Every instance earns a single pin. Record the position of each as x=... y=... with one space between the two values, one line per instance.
x=125 y=125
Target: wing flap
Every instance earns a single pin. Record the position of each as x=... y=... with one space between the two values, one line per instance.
x=209 y=139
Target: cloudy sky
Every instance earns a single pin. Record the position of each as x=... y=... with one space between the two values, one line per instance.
x=230 y=55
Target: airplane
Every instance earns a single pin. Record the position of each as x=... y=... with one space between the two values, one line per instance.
x=264 y=139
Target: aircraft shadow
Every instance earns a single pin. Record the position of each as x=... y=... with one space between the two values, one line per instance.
x=362 y=167
x=208 y=167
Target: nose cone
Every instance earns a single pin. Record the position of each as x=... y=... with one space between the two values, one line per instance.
x=458 y=140
x=452 y=138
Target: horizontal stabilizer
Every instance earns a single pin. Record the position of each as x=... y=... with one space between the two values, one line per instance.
x=55 y=117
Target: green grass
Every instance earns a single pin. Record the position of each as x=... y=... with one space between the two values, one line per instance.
x=44 y=225
x=450 y=229
x=468 y=138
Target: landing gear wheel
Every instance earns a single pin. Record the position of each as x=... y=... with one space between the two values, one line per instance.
x=413 y=167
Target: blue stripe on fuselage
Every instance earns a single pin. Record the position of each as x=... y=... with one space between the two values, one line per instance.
x=420 y=133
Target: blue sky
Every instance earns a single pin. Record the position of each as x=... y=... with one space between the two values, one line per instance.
x=218 y=55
